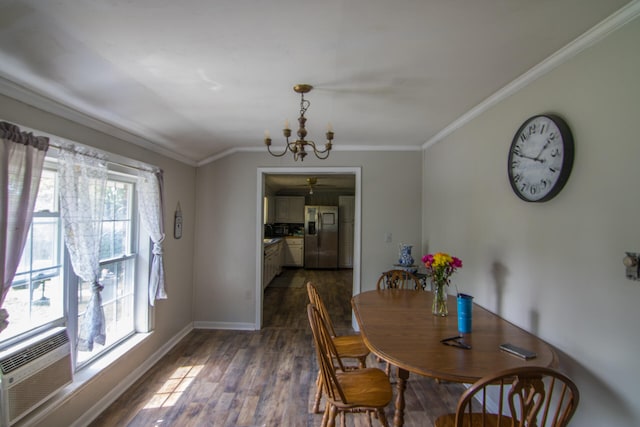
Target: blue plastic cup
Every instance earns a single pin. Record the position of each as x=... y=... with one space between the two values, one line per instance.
x=465 y=308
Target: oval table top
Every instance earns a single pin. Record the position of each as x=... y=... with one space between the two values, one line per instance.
x=398 y=326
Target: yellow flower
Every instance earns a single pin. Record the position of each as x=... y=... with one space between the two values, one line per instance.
x=441 y=260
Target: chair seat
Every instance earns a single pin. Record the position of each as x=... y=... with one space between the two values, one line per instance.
x=368 y=387
x=350 y=346
x=490 y=420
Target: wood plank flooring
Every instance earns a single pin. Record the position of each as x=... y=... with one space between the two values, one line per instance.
x=260 y=378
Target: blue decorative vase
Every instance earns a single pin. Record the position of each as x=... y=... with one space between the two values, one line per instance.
x=406 y=260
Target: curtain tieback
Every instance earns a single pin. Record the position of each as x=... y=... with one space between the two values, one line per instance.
x=97 y=287
x=157 y=249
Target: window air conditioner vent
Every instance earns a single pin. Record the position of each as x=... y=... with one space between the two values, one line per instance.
x=32 y=353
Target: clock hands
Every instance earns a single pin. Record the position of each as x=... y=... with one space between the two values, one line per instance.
x=536 y=159
x=544 y=147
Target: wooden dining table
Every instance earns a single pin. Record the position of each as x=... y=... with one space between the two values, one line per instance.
x=398 y=326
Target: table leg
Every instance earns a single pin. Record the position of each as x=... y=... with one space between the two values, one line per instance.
x=403 y=376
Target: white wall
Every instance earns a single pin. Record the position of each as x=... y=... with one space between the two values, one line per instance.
x=555 y=268
x=225 y=273
x=172 y=315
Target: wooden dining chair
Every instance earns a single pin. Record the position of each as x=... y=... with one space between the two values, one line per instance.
x=529 y=396
x=347 y=346
x=360 y=390
x=398 y=279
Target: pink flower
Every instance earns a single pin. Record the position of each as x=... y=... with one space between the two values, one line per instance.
x=427 y=260
x=456 y=263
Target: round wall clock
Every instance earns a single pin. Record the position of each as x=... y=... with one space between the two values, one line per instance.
x=540 y=158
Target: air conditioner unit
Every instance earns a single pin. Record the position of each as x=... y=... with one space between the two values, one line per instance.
x=31 y=372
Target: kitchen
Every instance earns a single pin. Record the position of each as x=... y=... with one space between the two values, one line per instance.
x=308 y=223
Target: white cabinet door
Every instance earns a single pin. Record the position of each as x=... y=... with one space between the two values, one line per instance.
x=347 y=206
x=294 y=252
x=296 y=210
x=298 y=256
x=290 y=209
x=282 y=209
x=269 y=210
x=272 y=264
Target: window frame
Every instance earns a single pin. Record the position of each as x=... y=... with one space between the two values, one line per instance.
x=139 y=255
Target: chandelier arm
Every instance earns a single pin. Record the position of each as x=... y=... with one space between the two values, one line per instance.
x=316 y=150
x=267 y=142
x=318 y=153
x=286 y=148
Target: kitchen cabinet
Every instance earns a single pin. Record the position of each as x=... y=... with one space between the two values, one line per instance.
x=269 y=210
x=294 y=252
x=289 y=209
x=346 y=214
x=272 y=264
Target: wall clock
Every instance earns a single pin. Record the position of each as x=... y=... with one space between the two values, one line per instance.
x=540 y=158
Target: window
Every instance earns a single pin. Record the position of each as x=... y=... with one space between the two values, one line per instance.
x=117 y=262
x=37 y=294
x=45 y=291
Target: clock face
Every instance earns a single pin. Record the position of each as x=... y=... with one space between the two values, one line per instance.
x=540 y=158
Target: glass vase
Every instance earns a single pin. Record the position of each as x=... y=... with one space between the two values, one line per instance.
x=439 y=307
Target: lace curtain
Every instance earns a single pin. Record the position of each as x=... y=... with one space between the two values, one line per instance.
x=21 y=161
x=150 y=205
x=83 y=178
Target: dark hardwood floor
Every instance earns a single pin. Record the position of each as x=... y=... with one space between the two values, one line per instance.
x=260 y=378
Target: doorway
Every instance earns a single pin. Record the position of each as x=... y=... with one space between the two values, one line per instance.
x=262 y=173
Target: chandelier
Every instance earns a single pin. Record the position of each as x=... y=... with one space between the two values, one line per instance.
x=298 y=147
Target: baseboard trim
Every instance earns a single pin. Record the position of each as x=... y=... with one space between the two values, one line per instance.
x=234 y=326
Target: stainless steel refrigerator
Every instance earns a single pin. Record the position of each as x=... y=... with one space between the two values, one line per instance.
x=320 y=237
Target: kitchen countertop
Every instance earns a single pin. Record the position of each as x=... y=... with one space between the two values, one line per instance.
x=271 y=241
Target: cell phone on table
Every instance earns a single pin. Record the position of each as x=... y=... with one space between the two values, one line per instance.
x=518 y=351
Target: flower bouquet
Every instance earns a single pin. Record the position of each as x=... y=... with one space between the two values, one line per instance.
x=440 y=266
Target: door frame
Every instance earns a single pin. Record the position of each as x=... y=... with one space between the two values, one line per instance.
x=357 y=222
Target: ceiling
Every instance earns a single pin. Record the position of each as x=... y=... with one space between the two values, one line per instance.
x=298 y=184
x=198 y=79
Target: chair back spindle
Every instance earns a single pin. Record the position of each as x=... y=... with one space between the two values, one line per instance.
x=398 y=279
x=529 y=396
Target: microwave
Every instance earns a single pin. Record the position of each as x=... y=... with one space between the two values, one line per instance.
x=280 y=230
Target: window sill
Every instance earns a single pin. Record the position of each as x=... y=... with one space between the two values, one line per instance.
x=88 y=372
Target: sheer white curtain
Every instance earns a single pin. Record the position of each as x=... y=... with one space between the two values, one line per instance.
x=21 y=161
x=83 y=178
x=150 y=205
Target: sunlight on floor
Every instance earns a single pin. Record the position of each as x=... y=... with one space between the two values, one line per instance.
x=172 y=389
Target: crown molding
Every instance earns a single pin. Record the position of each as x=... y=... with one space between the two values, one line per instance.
x=600 y=31
x=31 y=98
x=344 y=148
